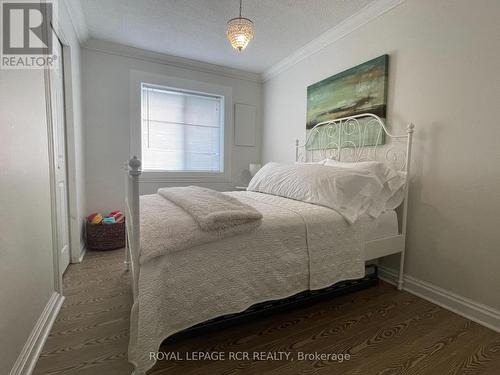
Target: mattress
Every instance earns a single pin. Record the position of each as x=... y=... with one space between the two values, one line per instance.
x=386 y=225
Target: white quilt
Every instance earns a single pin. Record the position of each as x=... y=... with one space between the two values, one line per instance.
x=299 y=246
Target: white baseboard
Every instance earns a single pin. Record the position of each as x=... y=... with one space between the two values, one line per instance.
x=26 y=361
x=477 y=312
x=83 y=250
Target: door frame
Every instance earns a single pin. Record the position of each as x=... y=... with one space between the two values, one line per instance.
x=76 y=255
x=76 y=226
x=52 y=172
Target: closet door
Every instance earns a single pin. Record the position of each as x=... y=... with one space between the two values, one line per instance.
x=56 y=79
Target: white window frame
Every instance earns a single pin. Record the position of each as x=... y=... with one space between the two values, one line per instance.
x=137 y=79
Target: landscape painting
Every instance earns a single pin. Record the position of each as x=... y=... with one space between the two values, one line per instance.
x=361 y=89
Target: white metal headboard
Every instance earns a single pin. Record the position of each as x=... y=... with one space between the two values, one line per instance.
x=352 y=139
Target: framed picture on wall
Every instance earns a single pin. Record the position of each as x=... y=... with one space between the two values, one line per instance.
x=358 y=90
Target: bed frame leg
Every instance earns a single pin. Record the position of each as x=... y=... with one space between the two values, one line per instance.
x=400 y=281
x=400 y=284
x=127 y=257
x=401 y=271
x=127 y=263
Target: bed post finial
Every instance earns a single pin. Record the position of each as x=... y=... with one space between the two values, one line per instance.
x=135 y=165
x=410 y=128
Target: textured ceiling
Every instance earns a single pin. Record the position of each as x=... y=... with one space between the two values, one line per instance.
x=195 y=29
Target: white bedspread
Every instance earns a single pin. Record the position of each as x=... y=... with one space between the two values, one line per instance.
x=180 y=218
x=299 y=246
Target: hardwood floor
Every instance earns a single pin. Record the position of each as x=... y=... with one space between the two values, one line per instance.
x=384 y=331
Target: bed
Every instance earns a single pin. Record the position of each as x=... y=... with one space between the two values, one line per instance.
x=299 y=246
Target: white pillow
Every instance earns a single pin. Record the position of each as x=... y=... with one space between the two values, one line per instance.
x=349 y=192
x=394 y=183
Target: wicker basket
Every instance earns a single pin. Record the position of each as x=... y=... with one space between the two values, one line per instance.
x=105 y=236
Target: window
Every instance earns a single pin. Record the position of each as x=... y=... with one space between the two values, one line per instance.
x=182 y=131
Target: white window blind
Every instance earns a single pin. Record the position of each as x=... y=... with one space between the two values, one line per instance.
x=181 y=131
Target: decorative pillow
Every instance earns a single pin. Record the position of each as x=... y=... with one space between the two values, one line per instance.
x=350 y=192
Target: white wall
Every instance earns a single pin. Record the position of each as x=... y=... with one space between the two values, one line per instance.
x=26 y=261
x=74 y=131
x=26 y=249
x=106 y=94
x=444 y=77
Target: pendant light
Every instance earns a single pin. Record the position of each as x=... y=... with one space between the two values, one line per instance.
x=239 y=31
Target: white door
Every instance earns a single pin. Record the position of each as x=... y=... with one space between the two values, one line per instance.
x=56 y=79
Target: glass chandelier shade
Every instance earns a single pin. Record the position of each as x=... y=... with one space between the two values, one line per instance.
x=240 y=32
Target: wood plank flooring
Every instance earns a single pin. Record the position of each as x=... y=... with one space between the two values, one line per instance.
x=384 y=331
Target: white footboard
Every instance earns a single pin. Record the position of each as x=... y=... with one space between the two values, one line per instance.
x=132 y=221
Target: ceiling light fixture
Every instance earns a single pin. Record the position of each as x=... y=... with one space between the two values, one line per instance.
x=239 y=31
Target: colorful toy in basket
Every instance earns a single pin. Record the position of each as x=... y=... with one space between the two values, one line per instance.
x=118 y=216
x=95 y=218
x=113 y=218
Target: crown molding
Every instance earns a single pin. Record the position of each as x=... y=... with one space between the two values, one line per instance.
x=175 y=61
x=77 y=18
x=346 y=27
